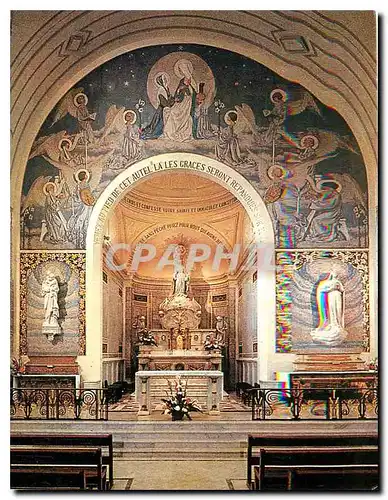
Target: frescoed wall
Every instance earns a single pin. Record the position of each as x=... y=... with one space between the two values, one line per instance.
x=286 y=138
x=299 y=154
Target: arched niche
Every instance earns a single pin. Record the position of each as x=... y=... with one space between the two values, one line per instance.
x=264 y=239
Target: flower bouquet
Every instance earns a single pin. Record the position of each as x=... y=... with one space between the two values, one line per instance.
x=177 y=404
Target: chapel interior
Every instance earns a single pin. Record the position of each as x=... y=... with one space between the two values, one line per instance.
x=193 y=250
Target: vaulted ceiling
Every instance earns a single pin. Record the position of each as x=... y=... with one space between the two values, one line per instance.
x=180 y=208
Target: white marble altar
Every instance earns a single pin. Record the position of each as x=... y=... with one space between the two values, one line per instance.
x=204 y=385
x=178 y=359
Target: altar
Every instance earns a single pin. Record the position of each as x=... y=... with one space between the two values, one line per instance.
x=179 y=347
x=206 y=387
x=179 y=360
x=180 y=351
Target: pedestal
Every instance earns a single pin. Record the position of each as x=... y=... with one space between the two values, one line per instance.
x=328 y=362
x=51 y=330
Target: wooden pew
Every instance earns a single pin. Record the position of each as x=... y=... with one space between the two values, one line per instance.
x=351 y=478
x=103 y=441
x=296 y=467
x=57 y=458
x=41 y=478
x=301 y=441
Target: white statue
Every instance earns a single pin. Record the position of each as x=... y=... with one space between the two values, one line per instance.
x=181 y=282
x=221 y=328
x=50 y=289
x=330 y=303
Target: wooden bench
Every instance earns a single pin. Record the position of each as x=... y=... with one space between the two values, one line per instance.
x=256 y=442
x=40 y=478
x=297 y=468
x=331 y=478
x=58 y=458
x=103 y=441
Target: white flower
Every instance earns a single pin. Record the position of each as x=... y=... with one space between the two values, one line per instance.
x=177 y=408
x=140 y=110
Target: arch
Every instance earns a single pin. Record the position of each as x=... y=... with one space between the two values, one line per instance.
x=335 y=65
x=121 y=185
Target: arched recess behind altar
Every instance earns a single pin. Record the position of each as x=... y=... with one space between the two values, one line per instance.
x=230 y=180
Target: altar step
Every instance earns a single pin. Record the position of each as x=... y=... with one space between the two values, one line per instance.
x=195 y=440
x=128 y=403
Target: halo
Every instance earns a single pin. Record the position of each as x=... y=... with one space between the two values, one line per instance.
x=322 y=182
x=127 y=111
x=278 y=91
x=46 y=186
x=76 y=174
x=325 y=265
x=76 y=97
x=270 y=172
x=64 y=140
x=166 y=64
x=178 y=67
x=309 y=136
x=227 y=115
x=56 y=269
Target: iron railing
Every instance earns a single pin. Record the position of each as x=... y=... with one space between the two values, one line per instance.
x=314 y=403
x=267 y=404
x=59 y=404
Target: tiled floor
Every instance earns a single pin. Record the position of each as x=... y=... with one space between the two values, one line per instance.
x=191 y=475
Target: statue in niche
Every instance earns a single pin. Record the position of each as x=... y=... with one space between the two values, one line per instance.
x=221 y=328
x=181 y=282
x=330 y=304
x=50 y=289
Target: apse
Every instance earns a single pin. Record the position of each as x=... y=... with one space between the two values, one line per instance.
x=208 y=225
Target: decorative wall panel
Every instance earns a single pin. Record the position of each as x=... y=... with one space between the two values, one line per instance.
x=69 y=272
x=302 y=306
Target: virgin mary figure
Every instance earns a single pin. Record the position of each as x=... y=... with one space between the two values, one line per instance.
x=330 y=305
x=178 y=119
x=50 y=289
x=181 y=282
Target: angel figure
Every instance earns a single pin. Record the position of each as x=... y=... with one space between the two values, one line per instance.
x=286 y=105
x=67 y=154
x=325 y=221
x=75 y=103
x=131 y=148
x=228 y=147
x=314 y=146
x=54 y=225
x=83 y=201
x=84 y=118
